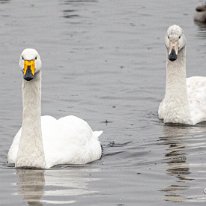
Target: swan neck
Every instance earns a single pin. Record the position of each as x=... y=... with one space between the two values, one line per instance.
x=31 y=153
x=176 y=75
x=31 y=91
x=176 y=88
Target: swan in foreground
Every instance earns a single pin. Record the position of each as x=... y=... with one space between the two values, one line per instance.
x=200 y=14
x=43 y=142
x=185 y=98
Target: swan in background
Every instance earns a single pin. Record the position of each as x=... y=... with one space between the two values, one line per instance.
x=200 y=14
x=43 y=142
x=185 y=98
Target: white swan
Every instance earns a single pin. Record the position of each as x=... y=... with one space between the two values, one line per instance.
x=200 y=14
x=185 y=99
x=43 y=142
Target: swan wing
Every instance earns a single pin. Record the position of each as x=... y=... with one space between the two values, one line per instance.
x=68 y=140
x=12 y=154
x=196 y=87
x=161 y=110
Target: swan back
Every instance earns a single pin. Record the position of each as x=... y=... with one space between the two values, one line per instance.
x=68 y=140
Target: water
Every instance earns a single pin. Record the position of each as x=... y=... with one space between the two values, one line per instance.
x=104 y=61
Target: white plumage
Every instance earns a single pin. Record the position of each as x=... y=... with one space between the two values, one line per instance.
x=185 y=98
x=46 y=141
x=196 y=88
x=68 y=140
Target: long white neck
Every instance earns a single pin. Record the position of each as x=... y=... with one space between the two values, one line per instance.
x=176 y=99
x=31 y=152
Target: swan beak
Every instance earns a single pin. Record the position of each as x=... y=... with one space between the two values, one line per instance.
x=173 y=51
x=29 y=69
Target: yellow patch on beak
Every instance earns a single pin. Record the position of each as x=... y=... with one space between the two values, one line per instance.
x=29 y=64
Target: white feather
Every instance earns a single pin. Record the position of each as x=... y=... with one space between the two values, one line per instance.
x=185 y=98
x=43 y=142
x=196 y=89
x=68 y=140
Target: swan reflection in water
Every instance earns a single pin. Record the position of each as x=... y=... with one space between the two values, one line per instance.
x=55 y=186
x=31 y=185
x=181 y=143
x=177 y=162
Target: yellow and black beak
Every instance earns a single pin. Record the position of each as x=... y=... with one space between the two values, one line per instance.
x=29 y=69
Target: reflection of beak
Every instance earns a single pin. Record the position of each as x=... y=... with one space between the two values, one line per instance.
x=173 y=51
x=29 y=69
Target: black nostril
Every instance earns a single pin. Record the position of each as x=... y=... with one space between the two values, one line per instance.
x=28 y=67
x=172 y=56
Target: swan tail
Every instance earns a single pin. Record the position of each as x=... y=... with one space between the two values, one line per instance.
x=96 y=134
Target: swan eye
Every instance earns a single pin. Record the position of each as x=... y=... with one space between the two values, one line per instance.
x=22 y=58
x=168 y=37
x=179 y=37
x=36 y=58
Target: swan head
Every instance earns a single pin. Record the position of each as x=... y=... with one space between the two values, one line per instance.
x=175 y=41
x=30 y=63
x=201 y=8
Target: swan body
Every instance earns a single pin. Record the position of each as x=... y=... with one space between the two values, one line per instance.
x=200 y=14
x=44 y=141
x=75 y=144
x=185 y=98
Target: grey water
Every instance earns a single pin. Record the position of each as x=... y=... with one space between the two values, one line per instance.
x=103 y=61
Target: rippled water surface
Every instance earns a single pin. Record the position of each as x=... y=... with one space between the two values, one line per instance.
x=104 y=61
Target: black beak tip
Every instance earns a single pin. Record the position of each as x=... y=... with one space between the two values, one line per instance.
x=28 y=78
x=172 y=56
